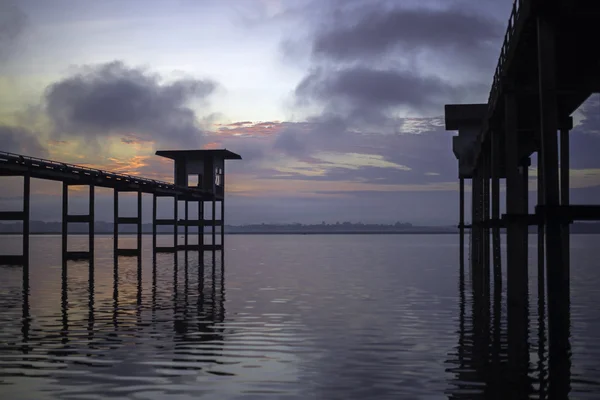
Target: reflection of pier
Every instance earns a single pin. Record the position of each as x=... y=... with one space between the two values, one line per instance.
x=205 y=166
x=542 y=77
x=196 y=321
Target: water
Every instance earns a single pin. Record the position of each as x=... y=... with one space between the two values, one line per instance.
x=307 y=316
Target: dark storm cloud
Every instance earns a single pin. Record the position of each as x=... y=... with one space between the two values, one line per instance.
x=371 y=32
x=20 y=140
x=375 y=62
x=113 y=98
x=365 y=92
x=317 y=133
x=290 y=142
x=12 y=23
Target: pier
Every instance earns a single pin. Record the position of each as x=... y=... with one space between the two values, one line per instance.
x=543 y=75
x=207 y=167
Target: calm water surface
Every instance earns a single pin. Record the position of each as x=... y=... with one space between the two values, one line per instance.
x=307 y=316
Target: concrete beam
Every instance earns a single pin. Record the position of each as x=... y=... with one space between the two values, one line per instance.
x=458 y=116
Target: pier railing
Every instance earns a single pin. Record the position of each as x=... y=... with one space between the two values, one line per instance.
x=8 y=158
x=501 y=66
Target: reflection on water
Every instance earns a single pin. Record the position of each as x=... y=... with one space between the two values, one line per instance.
x=497 y=358
x=296 y=316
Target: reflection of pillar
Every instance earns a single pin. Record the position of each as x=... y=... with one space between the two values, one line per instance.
x=91 y=319
x=115 y=310
x=541 y=338
x=153 y=301
x=25 y=316
x=64 y=304
x=557 y=273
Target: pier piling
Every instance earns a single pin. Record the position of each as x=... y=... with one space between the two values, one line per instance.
x=540 y=81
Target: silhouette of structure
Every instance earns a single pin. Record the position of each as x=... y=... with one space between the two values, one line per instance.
x=208 y=165
x=541 y=78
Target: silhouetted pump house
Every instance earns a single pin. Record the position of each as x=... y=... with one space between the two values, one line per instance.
x=206 y=167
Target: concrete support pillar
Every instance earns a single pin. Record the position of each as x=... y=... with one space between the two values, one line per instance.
x=176 y=223
x=564 y=201
x=65 y=224
x=201 y=226
x=154 y=223
x=461 y=223
x=495 y=154
x=517 y=290
x=486 y=216
x=92 y=214
x=26 y=222
x=214 y=222
x=474 y=201
x=541 y=229
x=495 y=174
x=476 y=231
x=223 y=223
x=223 y=216
x=524 y=205
x=556 y=272
x=116 y=225
x=186 y=229
x=139 y=223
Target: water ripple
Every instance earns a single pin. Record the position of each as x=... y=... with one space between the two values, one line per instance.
x=287 y=317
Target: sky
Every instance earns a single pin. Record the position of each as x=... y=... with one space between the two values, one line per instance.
x=336 y=106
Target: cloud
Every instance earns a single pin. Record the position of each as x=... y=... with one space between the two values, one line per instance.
x=376 y=65
x=114 y=99
x=373 y=30
x=365 y=94
x=584 y=139
x=590 y=111
x=20 y=140
x=12 y=23
x=251 y=129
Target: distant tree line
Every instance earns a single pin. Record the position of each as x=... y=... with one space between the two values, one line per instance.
x=337 y=227
x=107 y=227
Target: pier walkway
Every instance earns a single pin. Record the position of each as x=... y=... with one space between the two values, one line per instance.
x=205 y=165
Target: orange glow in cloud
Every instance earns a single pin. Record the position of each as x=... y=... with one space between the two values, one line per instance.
x=211 y=146
x=250 y=129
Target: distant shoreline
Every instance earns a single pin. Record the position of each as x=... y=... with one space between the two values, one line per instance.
x=269 y=233
x=246 y=233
